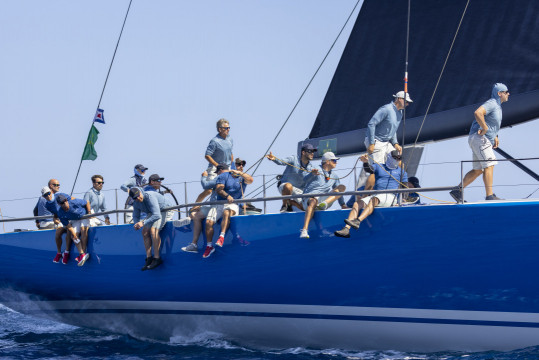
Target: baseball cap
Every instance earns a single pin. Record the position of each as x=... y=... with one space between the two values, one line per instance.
x=44 y=190
x=134 y=192
x=400 y=95
x=221 y=167
x=329 y=156
x=60 y=199
x=154 y=177
x=141 y=167
x=240 y=161
x=307 y=147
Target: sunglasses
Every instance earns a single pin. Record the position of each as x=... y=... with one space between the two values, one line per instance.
x=99 y=182
x=47 y=194
x=157 y=181
x=310 y=151
x=63 y=202
x=55 y=184
x=225 y=128
x=334 y=161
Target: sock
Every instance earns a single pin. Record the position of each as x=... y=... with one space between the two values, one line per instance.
x=67 y=252
x=222 y=234
x=210 y=244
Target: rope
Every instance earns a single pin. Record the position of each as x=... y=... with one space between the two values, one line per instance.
x=305 y=170
x=309 y=84
x=439 y=78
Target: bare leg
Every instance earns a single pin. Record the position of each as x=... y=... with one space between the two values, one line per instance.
x=296 y=204
x=330 y=200
x=309 y=212
x=209 y=230
x=58 y=238
x=197 y=225
x=147 y=241
x=470 y=177
x=488 y=177
x=84 y=237
x=156 y=242
x=69 y=241
x=226 y=220
x=203 y=195
x=287 y=190
x=369 y=208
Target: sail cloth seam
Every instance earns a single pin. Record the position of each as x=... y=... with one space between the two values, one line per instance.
x=104 y=86
x=439 y=78
x=308 y=85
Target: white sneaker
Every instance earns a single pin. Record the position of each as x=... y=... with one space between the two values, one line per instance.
x=304 y=234
x=192 y=248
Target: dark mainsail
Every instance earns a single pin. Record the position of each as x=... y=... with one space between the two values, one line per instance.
x=498 y=42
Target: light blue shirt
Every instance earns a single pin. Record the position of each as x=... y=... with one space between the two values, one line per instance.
x=493 y=117
x=292 y=174
x=220 y=149
x=41 y=209
x=321 y=183
x=168 y=202
x=384 y=124
x=152 y=203
x=97 y=201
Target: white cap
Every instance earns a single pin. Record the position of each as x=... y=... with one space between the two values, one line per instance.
x=400 y=95
x=329 y=156
x=44 y=190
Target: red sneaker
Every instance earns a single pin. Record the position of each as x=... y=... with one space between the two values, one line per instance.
x=57 y=258
x=220 y=241
x=209 y=250
x=77 y=259
x=82 y=258
x=65 y=258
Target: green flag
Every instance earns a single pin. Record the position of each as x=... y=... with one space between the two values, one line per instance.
x=89 y=151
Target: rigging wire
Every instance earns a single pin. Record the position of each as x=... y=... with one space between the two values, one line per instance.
x=308 y=85
x=104 y=86
x=439 y=77
x=405 y=83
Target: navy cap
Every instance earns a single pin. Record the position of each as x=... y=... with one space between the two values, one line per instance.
x=141 y=167
x=60 y=199
x=134 y=192
x=396 y=154
x=155 y=177
x=240 y=161
x=308 y=146
x=221 y=167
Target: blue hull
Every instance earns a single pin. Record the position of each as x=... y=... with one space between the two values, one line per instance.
x=422 y=278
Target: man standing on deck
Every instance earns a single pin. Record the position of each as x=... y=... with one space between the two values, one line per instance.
x=292 y=181
x=320 y=181
x=136 y=180
x=219 y=151
x=97 y=200
x=151 y=203
x=388 y=176
x=229 y=186
x=483 y=139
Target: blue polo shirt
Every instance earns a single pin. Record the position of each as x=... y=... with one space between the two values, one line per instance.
x=384 y=124
x=292 y=174
x=53 y=206
x=220 y=149
x=385 y=181
x=321 y=183
x=77 y=209
x=152 y=203
x=234 y=186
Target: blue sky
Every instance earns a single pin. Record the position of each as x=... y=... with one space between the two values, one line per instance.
x=179 y=68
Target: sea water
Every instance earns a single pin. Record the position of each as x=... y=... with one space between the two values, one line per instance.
x=26 y=337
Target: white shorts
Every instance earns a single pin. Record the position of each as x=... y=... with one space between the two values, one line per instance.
x=158 y=224
x=386 y=200
x=212 y=172
x=216 y=212
x=483 y=153
x=78 y=224
x=169 y=215
x=320 y=199
x=381 y=149
x=95 y=222
x=46 y=225
x=295 y=191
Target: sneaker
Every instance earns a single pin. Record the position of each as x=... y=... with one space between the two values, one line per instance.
x=289 y=208
x=83 y=258
x=322 y=206
x=355 y=223
x=456 y=194
x=57 y=258
x=209 y=250
x=344 y=232
x=304 y=234
x=492 y=197
x=192 y=248
x=147 y=263
x=284 y=208
x=65 y=258
x=220 y=241
x=77 y=259
x=155 y=263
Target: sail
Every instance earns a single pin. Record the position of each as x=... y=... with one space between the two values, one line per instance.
x=497 y=42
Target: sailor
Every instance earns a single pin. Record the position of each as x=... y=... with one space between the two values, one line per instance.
x=412 y=198
x=70 y=213
x=201 y=212
x=151 y=203
x=219 y=151
x=137 y=179
x=363 y=175
x=320 y=181
x=155 y=185
x=97 y=200
x=388 y=176
x=292 y=180
x=229 y=186
x=483 y=138
x=41 y=210
x=53 y=207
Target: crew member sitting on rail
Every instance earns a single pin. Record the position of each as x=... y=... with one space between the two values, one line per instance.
x=320 y=181
x=53 y=207
x=366 y=171
x=292 y=181
x=155 y=185
x=230 y=186
x=136 y=180
x=70 y=214
x=97 y=200
x=41 y=210
x=388 y=176
x=201 y=212
x=150 y=203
